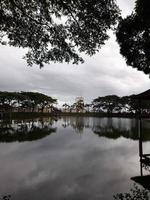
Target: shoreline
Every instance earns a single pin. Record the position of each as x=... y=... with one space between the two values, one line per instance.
x=22 y=115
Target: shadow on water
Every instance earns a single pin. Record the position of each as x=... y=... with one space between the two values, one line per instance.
x=25 y=130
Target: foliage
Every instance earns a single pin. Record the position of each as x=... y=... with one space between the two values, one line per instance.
x=105 y=104
x=26 y=100
x=66 y=107
x=56 y=30
x=35 y=98
x=87 y=107
x=135 y=193
x=5 y=197
x=7 y=97
x=133 y=36
x=114 y=104
x=108 y=103
x=79 y=105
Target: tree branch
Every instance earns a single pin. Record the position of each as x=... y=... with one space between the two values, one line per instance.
x=69 y=10
x=27 y=15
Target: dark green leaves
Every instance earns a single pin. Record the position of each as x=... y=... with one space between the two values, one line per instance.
x=57 y=30
x=133 y=36
x=26 y=99
x=136 y=193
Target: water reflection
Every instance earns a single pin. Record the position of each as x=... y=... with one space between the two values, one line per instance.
x=142 y=190
x=108 y=127
x=33 y=129
x=70 y=166
x=25 y=130
x=144 y=178
x=77 y=123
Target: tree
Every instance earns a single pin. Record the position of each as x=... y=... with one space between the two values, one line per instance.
x=133 y=36
x=87 y=107
x=79 y=104
x=135 y=193
x=98 y=104
x=108 y=103
x=66 y=107
x=35 y=99
x=8 y=98
x=26 y=100
x=56 y=30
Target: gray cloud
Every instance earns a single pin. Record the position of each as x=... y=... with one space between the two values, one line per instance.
x=126 y=6
x=104 y=73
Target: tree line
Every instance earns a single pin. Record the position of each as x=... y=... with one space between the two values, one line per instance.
x=105 y=104
x=38 y=102
x=26 y=101
x=115 y=104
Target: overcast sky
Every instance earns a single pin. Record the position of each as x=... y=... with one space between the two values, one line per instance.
x=103 y=74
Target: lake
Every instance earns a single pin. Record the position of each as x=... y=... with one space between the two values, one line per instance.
x=70 y=158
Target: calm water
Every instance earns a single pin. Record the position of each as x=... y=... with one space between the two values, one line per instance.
x=69 y=158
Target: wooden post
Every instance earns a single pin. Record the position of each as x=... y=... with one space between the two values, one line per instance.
x=140 y=131
x=140 y=137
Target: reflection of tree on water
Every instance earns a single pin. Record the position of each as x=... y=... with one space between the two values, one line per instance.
x=115 y=128
x=108 y=127
x=25 y=130
x=136 y=193
x=66 y=122
x=77 y=123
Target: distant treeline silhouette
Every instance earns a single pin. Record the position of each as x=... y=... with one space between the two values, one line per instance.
x=38 y=102
x=105 y=104
x=26 y=102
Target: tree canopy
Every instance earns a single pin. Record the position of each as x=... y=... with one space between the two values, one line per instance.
x=115 y=104
x=133 y=36
x=26 y=100
x=55 y=30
